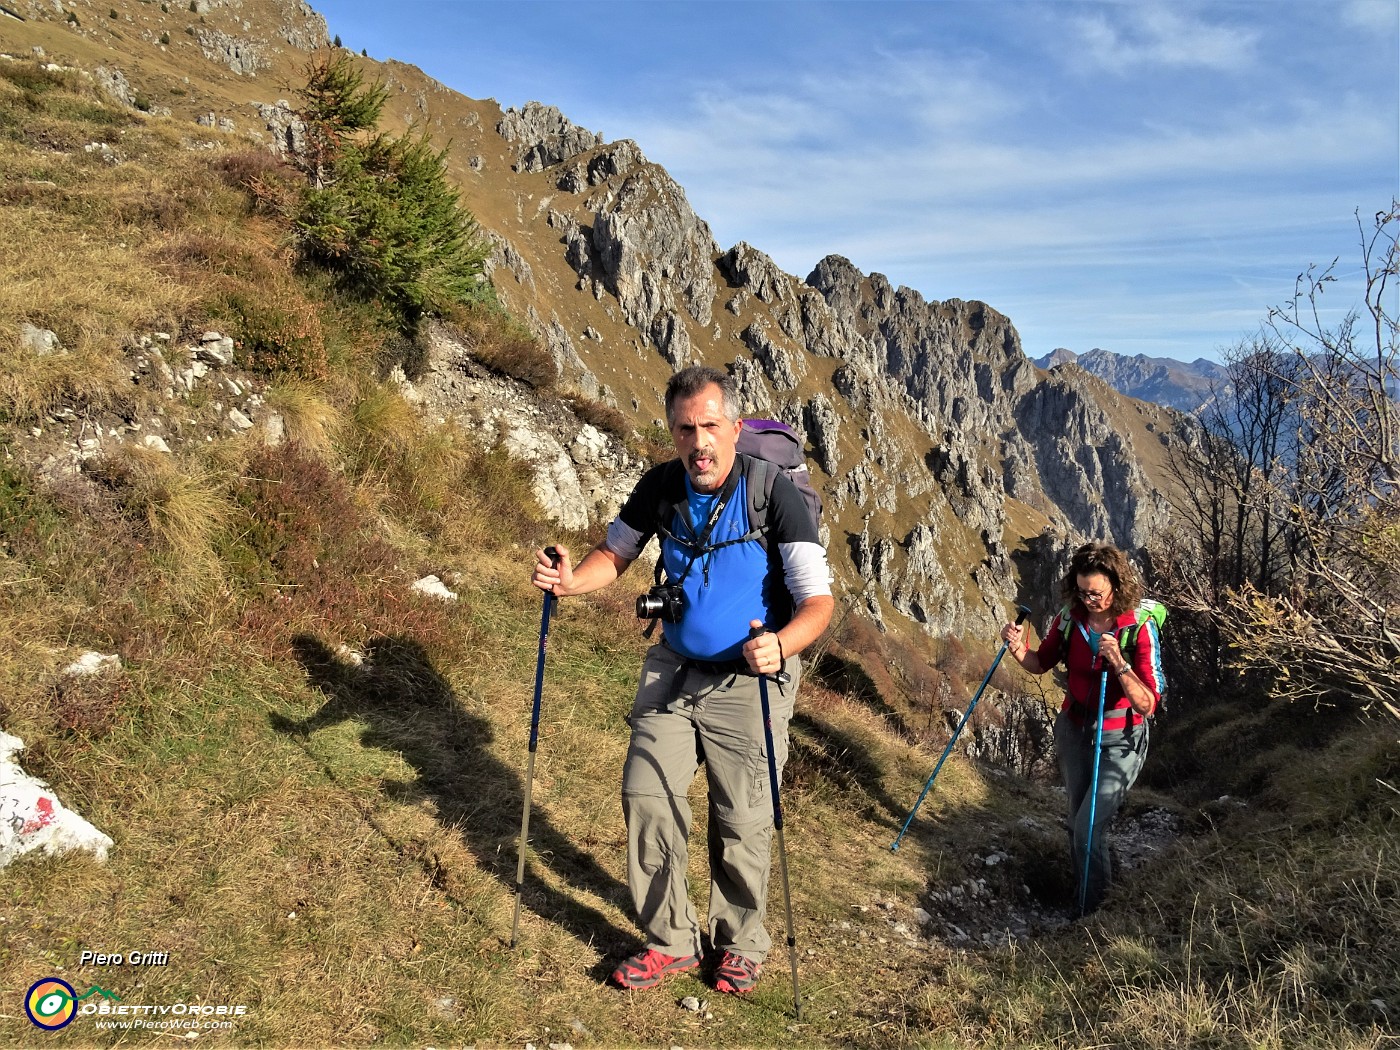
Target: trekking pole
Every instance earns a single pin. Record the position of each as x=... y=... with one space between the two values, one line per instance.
x=1093 y=795
x=553 y=556
x=1022 y=613
x=782 y=678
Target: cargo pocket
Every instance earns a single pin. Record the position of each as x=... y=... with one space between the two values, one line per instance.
x=657 y=685
x=739 y=792
x=758 y=793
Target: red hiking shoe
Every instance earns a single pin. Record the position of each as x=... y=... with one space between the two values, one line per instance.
x=736 y=974
x=649 y=968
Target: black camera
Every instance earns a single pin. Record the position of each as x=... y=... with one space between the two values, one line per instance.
x=665 y=602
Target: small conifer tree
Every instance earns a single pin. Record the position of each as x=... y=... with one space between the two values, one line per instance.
x=379 y=212
x=337 y=106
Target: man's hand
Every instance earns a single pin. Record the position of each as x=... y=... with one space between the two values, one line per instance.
x=599 y=568
x=548 y=576
x=763 y=651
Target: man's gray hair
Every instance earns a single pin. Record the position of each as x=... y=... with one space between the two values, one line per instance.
x=690 y=381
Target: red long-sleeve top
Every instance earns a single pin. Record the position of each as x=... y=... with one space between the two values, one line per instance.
x=1083 y=668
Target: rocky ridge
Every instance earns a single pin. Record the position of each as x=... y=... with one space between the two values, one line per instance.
x=952 y=469
x=927 y=420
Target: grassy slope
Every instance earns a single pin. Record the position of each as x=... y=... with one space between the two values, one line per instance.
x=334 y=845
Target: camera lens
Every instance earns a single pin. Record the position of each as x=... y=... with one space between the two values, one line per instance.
x=648 y=606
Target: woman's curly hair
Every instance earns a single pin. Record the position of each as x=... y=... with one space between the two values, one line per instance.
x=1107 y=559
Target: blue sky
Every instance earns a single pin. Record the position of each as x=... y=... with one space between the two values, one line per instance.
x=1141 y=177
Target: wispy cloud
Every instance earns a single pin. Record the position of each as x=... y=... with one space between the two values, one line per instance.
x=1375 y=15
x=802 y=154
x=1126 y=37
x=927 y=90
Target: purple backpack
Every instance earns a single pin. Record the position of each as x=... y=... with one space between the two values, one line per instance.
x=766 y=448
x=770 y=443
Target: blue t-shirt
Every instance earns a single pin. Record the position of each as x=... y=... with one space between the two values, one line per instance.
x=724 y=589
x=729 y=587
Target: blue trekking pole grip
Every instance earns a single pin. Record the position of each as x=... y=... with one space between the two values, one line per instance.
x=1021 y=613
x=553 y=556
x=782 y=678
x=1093 y=793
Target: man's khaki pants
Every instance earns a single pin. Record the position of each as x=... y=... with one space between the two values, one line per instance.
x=681 y=716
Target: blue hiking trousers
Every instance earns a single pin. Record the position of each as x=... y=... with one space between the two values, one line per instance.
x=1121 y=756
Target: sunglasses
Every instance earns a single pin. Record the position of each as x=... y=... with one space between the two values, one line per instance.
x=1094 y=596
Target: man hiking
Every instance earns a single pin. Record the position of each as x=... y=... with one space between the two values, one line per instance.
x=698 y=698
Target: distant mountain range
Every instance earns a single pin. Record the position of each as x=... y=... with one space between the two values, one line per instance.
x=1162 y=380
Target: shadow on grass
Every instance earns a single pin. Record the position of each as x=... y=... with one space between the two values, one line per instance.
x=843 y=672
x=821 y=751
x=411 y=709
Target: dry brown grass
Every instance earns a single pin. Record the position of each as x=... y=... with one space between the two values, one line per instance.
x=56 y=233
x=310 y=418
x=602 y=416
x=382 y=430
x=504 y=346
x=33 y=385
x=332 y=842
x=185 y=507
x=436 y=477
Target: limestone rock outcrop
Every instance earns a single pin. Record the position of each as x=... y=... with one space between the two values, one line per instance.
x=1087 y=468
x=580 y=474
x=545 y=136
x=653 y=253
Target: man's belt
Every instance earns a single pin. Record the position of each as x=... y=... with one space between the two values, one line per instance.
x=714 y=667
x=718 y=667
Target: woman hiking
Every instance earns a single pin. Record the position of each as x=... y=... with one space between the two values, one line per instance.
x=1113 y=663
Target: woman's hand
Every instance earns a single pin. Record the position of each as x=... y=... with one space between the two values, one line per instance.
x=1020 y=651
x=1139 y=696
x=1011 y=635
x=1112 y=654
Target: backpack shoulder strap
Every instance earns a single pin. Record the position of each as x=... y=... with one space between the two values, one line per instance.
x=671 y=501
x=672 y=496
x=1149 y=610
x=1066 y=624
x=759 y=475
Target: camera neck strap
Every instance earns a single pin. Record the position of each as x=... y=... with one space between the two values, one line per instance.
x=698 y=544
